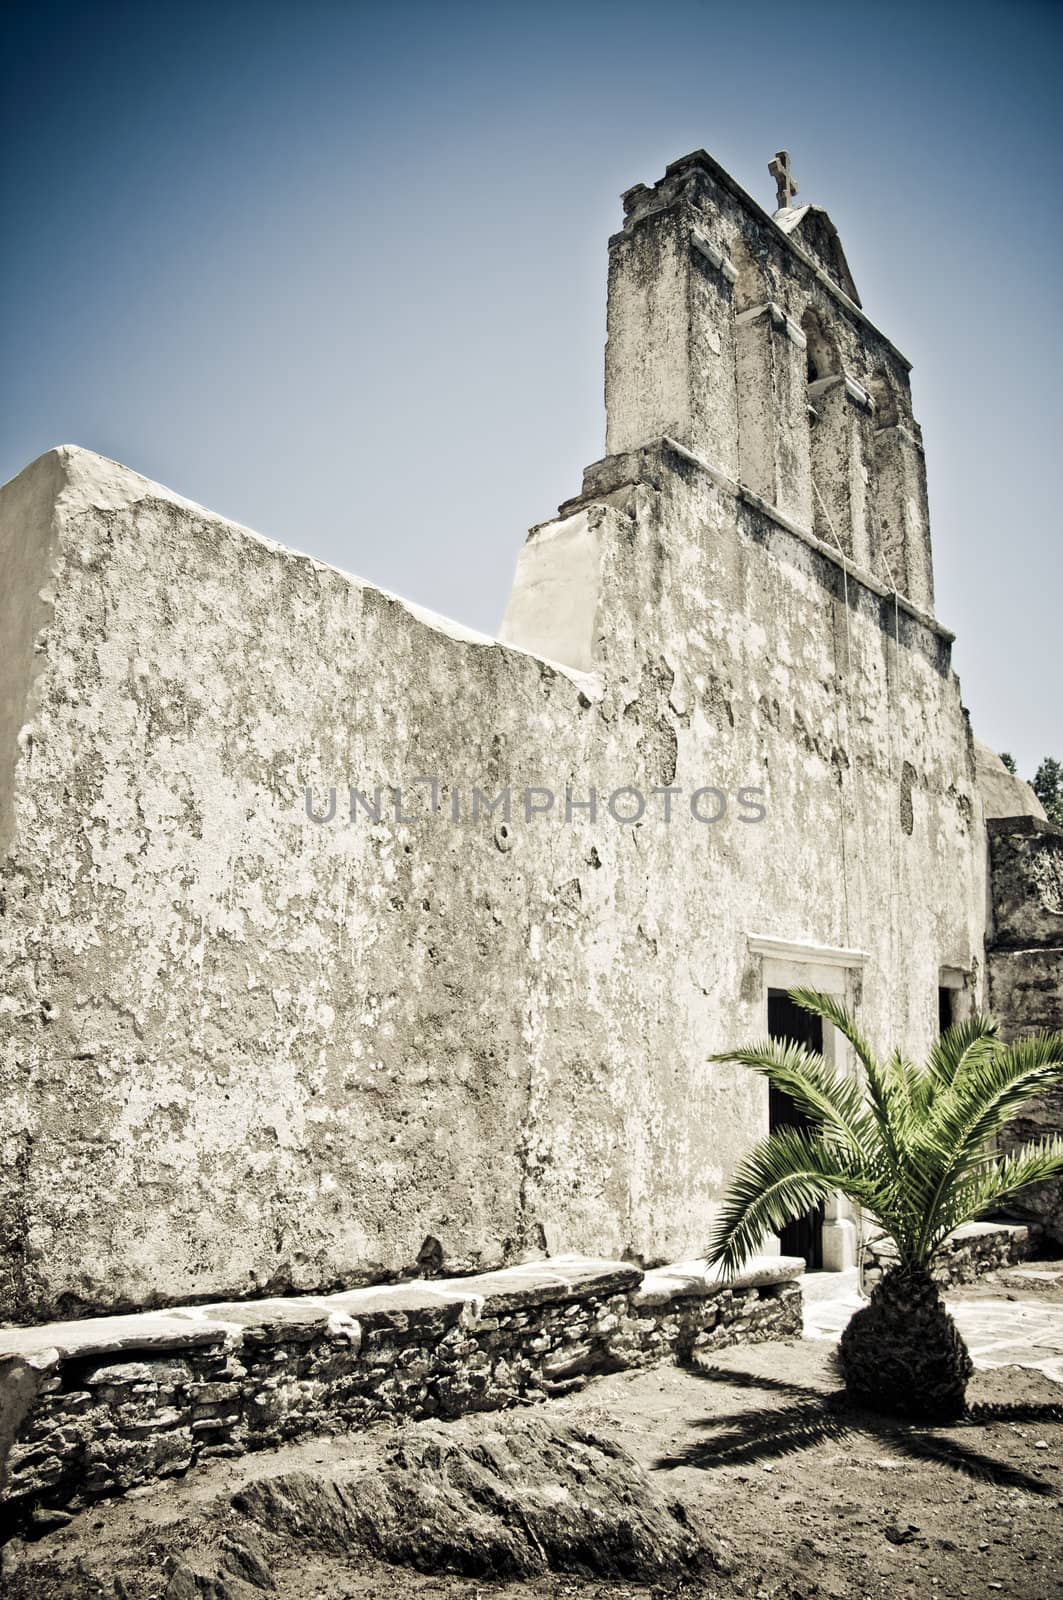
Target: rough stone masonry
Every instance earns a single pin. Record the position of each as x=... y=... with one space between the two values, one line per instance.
x=101 y=1405
x=247 y=1050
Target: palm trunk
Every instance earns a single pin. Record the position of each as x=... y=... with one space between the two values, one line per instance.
x=903 y=1353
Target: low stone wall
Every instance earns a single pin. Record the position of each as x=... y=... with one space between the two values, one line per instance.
x=974 y=1249
x=96 y=1407
x=1024 y=969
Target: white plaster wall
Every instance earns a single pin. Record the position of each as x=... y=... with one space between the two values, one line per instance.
x=241 y=1050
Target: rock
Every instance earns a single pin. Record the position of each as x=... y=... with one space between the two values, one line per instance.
x=122 y=1372
x=166 y=1331
x=560 y=1279
x=183 y=1583
x=188 y=1584
x=244 y=1558
x=524 y=1497
x=570 y=1362
x=244 y=1375
x=45 y=1518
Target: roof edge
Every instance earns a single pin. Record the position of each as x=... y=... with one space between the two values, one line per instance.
x=702 y=159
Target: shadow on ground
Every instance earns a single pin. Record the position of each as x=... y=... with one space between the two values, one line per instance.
x=748 y=1438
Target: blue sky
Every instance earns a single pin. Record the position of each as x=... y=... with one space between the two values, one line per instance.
x=338 y=270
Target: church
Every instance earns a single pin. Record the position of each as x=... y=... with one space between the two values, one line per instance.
x=343 y=944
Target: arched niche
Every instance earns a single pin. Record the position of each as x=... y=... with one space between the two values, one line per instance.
x=821 y=353
x=840 y=448
x=770 y=381
x=887 y=406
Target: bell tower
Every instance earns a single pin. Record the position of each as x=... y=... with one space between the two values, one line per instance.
x=737 y=339
x=742 y=336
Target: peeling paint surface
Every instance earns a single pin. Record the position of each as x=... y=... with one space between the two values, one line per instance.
x=248 y=1052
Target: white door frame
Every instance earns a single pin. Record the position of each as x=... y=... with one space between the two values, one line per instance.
x=795 y=963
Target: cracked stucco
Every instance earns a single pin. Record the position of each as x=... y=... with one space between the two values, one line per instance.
x=245 y=1052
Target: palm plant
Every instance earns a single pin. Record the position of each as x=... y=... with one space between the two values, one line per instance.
x=914 y=1148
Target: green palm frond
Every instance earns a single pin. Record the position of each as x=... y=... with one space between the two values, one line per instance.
x=992 y=1087
x=905 y=1092
x=913 y=1147
x=785 y=1175
x=948 y=1057
x=1001 y=1177
x=881 y=1092
x=901 y=1074
x=832 y=1011
x=950 y=1052
x=833 y=1102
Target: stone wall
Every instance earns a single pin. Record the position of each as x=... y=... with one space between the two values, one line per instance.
x=1025 y=969
x=972 y=1251
x=107 y=1404
x=1026 y=855
x=248 y=1052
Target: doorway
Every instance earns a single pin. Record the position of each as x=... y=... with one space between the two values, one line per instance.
x=787 y=1021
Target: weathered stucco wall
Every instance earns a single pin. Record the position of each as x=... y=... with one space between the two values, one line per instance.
x=774 y=662
x=245 y=1051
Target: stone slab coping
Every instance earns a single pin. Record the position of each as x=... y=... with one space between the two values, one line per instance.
x=966 y=1232
x=555 y=1280
x=693 y=1279
x=982 y=1230
x=395 y=1305
x=1022 y=824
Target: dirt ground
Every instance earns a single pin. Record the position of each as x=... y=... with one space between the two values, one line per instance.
x=809 y=1501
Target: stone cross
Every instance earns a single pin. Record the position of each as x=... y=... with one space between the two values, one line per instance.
x=785 y=183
